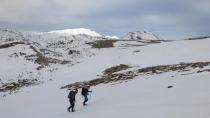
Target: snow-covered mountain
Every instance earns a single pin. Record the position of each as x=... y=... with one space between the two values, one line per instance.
x=138 y=35
x=129 y=78
x=9 y=35
x=69 y=32
x=112 y=37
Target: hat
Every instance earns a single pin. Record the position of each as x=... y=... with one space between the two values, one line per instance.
x=72 y=88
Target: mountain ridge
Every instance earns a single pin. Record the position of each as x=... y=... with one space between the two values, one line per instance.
x=75 y=31
x=141 y=35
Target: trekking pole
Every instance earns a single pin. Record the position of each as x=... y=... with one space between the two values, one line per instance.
x=90 y=96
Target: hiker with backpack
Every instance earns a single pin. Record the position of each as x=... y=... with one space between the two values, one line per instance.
x=85 y=92
x=72 y=99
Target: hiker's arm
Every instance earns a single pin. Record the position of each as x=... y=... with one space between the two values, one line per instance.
x=69 y=95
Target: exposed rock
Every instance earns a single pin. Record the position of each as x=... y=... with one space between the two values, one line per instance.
x=7 y=45
x=170 y=86
x=198 y=38
x=116 y=69
x=14 y=86
x=102 y=43
x=73 y=52
x=109 y=75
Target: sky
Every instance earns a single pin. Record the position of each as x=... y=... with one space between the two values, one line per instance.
x=171 y=19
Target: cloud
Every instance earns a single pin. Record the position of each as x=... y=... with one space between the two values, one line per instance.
x=26 y=11
x=160 y=19
x=108 y=16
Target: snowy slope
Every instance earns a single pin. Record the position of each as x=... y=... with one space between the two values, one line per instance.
x=145 y=96
x=34 y=55
x=12 y=60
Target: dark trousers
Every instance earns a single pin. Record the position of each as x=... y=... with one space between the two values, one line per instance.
x=86 y=99
x=72 y=104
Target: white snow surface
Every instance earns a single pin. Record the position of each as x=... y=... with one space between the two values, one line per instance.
x=13 y=65
x=76 y=31
x=143 y=97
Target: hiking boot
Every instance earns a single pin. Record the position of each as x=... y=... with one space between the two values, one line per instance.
x=84 y=104
x=68 y=109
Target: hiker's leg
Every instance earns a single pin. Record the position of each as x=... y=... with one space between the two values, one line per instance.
x=72 y=106
x=69 y=106
x=86 y=99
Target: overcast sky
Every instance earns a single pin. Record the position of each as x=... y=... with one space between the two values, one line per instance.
x=167 y=18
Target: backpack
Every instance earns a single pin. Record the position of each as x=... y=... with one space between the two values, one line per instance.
x=83 y=91
x=71 y=95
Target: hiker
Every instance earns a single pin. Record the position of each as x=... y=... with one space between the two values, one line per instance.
x=85 y=92
x=72 y=100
